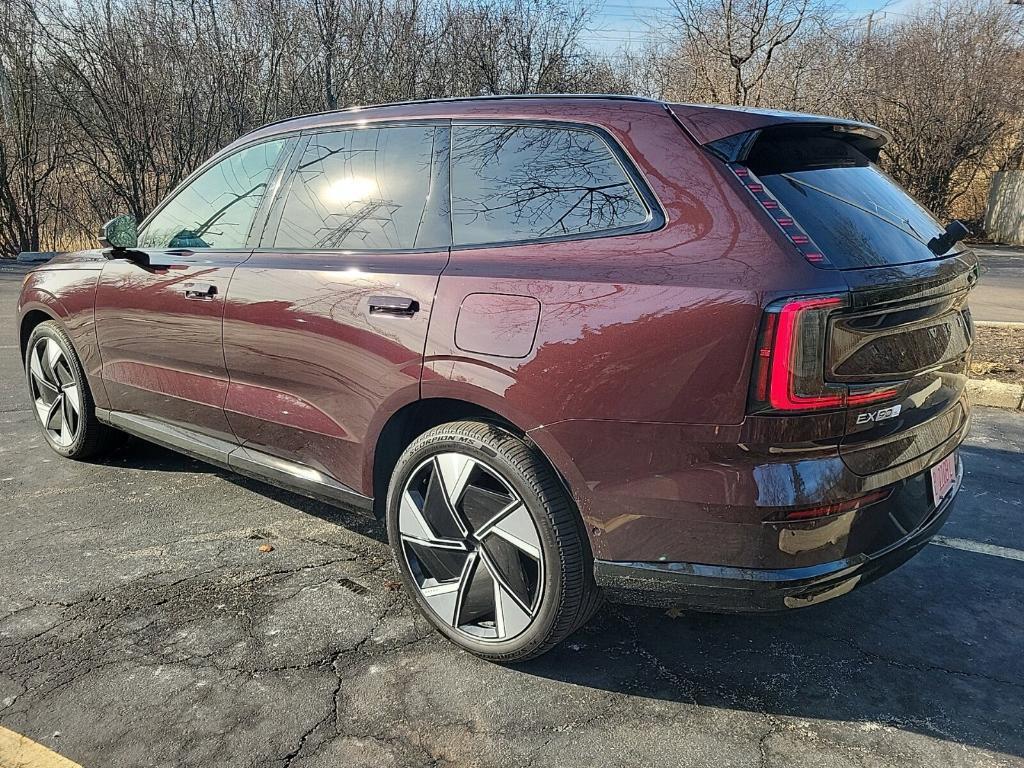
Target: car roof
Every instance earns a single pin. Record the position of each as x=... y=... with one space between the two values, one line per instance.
x=704 y=122
x=548 y=106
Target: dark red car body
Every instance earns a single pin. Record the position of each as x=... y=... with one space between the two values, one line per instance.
x=627 y=360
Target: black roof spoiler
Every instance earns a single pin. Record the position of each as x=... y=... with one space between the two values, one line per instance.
x=731 y=131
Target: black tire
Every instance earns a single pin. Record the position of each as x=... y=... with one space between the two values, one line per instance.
x=87 y=436
x=566 y=595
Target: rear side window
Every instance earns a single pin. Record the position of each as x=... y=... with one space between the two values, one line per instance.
x=514 y=183
x=855 y=213
x=361 y=189
x=216 y=209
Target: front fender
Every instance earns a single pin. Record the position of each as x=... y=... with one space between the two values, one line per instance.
x=36 y=299
x=67 y=296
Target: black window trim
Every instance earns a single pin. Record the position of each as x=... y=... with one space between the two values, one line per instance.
x=286 y=137
x=654 y=221
x=266 y=243
x=277 y=180
x=263 y=230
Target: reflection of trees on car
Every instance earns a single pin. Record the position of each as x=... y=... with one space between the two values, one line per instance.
x=193 y=237
x=216 y=209
x=516 y=181
x=360 y=189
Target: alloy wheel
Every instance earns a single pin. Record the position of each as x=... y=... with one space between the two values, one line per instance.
x=472 y=547
x=56 y=392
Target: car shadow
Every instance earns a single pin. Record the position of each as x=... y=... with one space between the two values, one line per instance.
x=933 y=648
x=136 y=453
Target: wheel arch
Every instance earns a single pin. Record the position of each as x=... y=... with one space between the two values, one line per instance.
x=409 y=422
x=30 y=320
x=413 y=419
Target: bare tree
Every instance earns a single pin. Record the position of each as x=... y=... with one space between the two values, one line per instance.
x=106 y=105
x=528 y=46
x=33 y=131
x=946 y=79
x=731 y=45
x=948 y=82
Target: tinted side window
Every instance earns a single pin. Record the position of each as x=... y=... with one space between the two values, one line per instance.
x=217 y=208
x=363 y=189
x=524 y=182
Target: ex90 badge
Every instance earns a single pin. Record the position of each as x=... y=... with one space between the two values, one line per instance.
x=880 y=415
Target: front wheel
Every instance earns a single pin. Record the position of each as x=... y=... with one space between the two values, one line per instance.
x=489 y=542
x=60 y=394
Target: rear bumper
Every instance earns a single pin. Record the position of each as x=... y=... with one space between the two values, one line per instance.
x=670 y=493
x=726 y=589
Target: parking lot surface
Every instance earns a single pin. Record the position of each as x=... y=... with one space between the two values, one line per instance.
x=999 y=296
x=141 y=625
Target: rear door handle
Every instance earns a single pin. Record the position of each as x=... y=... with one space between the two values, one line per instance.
x=199 y=290
x=402 y=306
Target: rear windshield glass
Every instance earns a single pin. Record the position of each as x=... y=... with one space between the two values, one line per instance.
x=855 y=213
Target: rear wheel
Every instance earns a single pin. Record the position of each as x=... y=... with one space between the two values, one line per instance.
x=60 y=394
x=489 y=542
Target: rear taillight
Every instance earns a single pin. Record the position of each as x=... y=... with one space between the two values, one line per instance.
x=796 y=372
x=789 y=364
x=838 y=508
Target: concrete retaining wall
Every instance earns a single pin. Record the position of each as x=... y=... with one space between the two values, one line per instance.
x=1004 y=216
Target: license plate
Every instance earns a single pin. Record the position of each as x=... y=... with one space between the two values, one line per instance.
x=943 y=478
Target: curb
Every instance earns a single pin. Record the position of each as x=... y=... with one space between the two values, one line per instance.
x=36 y=257
x=996 y=394
x=998 y=324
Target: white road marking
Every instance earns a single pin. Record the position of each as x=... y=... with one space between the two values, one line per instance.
x=982 y=549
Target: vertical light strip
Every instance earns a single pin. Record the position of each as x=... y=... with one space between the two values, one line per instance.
x=793 y=232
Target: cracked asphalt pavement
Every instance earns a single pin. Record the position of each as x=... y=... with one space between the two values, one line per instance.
x=141 y=625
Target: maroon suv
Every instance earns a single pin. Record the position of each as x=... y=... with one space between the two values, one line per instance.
x=564 y=346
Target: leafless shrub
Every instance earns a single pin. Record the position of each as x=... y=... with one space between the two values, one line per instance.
x=948 y=83
x=105 y=105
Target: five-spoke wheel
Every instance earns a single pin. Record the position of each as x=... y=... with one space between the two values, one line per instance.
x=60 y=394
x=55 y=391
x=471 y=546
x=489 y=542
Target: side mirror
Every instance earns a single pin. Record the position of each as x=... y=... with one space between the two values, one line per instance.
x=120 y=233
x=956 y=231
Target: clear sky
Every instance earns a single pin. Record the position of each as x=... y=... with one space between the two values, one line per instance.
x=625 y=22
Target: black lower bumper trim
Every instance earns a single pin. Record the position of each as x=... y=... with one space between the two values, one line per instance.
x=728 y=589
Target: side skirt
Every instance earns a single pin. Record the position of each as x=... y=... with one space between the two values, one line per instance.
x=245 y=461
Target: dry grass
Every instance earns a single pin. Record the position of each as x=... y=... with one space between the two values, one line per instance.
x=998 y=354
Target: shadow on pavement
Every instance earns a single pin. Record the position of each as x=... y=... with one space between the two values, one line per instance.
x=819 y=665
x=139 y=454
x=935 y=647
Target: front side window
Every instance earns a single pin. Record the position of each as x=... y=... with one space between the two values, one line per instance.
x=216 y=209
x=361 y=189
x=517 y=182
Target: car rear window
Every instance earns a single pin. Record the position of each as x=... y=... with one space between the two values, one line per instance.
x=855 y=213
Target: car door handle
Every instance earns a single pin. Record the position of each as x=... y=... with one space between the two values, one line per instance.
x=199 y=290
x=401 y=306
